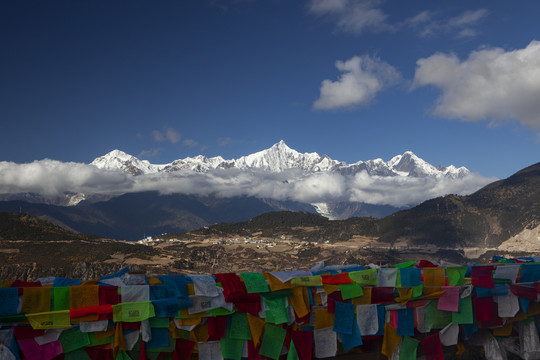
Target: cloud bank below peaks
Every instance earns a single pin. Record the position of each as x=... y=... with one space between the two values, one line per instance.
x=54 y=178
x=491 y=84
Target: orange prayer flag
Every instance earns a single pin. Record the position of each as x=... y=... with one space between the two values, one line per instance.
x=201 y=332
x=434 y=276
x=153 y=280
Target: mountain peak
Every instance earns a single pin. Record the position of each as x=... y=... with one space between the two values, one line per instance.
x=117 y=154
x=280 y=157
x=117 y=159
x=281 y=147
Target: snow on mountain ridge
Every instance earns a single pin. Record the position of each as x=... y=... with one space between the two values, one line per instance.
x=118 y=159
x=280 y=157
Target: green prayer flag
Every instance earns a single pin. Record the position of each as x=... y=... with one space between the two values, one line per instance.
x=364 y=277
x=456 y=275
x=77 y=355
x=408 y=348
x=277 y=312
x=133 y=311
x=465 y=313
x=150 y=355
x=185 y=334
x=349 y=291
x=73 y=339
x=159 y=322
x=417 y=291
x=255 y=282
x=239 y=329
x=435 y=318
x=406 y=264
x=217 y=312
x=122 y=355
x=292 y=354
x=278 y=293
x=95 y=342
x=231 y=348
x=272 y=341
x=60 y=298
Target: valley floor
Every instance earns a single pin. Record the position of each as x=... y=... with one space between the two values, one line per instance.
x=87 y=259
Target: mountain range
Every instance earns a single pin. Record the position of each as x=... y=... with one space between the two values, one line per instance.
x=502 y=216
x=279 y=158
x=140 y=198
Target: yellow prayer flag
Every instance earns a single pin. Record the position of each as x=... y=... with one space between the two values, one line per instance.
x=323 y=319
x=390 y=340
x=300 y=301
x=315 y=280
x=36 y=300
x=49 y=320
x=275 y=283
x=256 y=326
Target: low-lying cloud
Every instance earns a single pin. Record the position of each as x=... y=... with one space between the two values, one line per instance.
x=491 y=84
x=54 y=178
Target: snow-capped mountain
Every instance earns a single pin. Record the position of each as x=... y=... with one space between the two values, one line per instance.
x=277 y=178
x=280 y=157
x=118 y=159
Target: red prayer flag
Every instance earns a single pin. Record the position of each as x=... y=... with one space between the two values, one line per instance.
x=433 y=347
x=481 y=275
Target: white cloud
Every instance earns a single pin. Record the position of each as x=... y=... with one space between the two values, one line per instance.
x=403 y=191
x=53 y=178
x=169 y=135
x=224 y=141
x=313 y=188
x=362 y=78
x=359 y=16
x=158 y=136
x=429 y=23
x=149 y=153
x=189 y=142
x=172 y=136
x=467 y=18
x=491 y=84
x=355 y=16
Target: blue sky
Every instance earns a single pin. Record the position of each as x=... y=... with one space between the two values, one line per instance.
x=455 y=82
